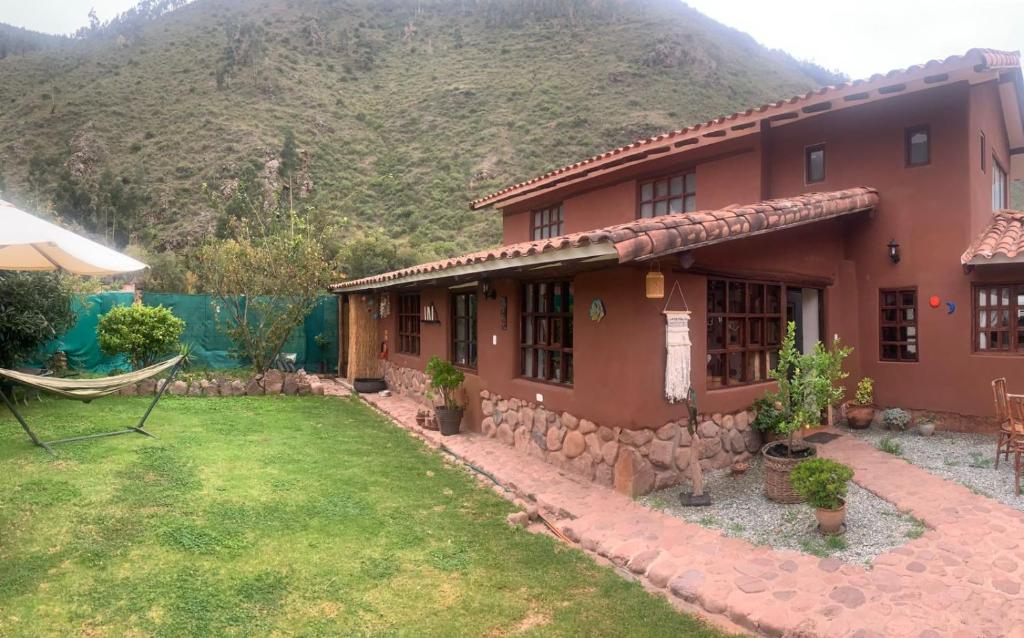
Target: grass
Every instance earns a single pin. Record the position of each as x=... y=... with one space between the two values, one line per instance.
x=890 y=445
x=279 y=516
x=823 y=547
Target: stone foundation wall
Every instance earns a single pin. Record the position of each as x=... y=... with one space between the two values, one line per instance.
x=273 y=382
x=634 y=462
x=407 y=382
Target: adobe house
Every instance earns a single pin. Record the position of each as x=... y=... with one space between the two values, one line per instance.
x=873 y=210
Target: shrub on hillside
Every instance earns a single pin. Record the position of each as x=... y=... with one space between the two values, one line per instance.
x=142 y=333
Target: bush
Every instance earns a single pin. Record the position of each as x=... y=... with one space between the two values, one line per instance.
x=865 y=392
x=890 y=445
x=446 y=379
x=822 y=482
x=34 y=308
x=896 y=419
x=143 y=333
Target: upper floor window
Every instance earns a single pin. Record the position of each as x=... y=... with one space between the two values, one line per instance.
x=547 y=223
x=999 y=318
x=464 y=329
x=545 y=332
x=918 y=145
x=998 y=185
x=814 y=163
x=983 y=154
x=667 y=195
x=409 y=324
x=898 y=325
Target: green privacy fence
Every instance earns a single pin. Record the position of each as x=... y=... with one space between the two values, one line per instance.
x=203 y=323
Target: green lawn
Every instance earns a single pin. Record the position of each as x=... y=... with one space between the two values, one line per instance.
x=279 y=516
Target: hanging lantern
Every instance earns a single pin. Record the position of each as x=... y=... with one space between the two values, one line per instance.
x=655 y=283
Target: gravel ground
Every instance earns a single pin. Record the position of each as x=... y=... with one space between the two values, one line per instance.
x=739 y=508
x=968 y=459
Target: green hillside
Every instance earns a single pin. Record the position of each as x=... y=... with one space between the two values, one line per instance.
x=402 y=110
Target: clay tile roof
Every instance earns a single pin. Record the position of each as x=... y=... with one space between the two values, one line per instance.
x=1003 y=240
x=648 y=238
x=984 y=59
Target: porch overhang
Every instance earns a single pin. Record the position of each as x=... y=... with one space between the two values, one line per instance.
x=1001 y=243
x=636 y=241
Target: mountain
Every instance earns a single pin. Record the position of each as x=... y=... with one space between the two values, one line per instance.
x=396 y=112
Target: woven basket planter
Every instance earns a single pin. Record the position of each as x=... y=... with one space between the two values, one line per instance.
x=777 y=485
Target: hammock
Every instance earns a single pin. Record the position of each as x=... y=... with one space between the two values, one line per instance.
x=86 y=390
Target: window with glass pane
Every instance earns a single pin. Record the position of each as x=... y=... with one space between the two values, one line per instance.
x=409 y=324
x=745 y=325
x=668 y=195
x=898 y=338
x=545 y=331
x=814 y=163
x=998 y=185
x=999 y=318
x=464 y=329
x=547 y=223
x=917 y=140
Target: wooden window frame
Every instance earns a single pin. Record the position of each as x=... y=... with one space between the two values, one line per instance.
x=997 y=169
x=553 y=227
x=1014 y=343
x=808 y=150
x=685 y=195
x=747 y=319
x=409 y=323
x=908 y=133
x=471 y=342
x=899 y=323
x=562 y=321
x=984 y=150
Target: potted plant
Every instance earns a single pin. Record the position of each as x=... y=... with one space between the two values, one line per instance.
x=896 y=419
x=446 y=379
x=861 y=412
x=822 y=483
x=926 y=424
x=807 y=385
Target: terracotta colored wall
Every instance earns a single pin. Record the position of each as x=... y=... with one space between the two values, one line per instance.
x=726 y=174
x=985 y=115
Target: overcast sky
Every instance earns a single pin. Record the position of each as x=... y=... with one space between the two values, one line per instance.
x=858 y=38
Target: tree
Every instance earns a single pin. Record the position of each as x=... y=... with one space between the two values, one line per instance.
x=142 y=333
x=34 y=309
x=266 y=280
x=373 y=254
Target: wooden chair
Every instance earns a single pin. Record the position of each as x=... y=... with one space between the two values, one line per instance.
x=1003 y=418
x=1015 y=405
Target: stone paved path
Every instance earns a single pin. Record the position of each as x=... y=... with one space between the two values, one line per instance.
x=963 y=577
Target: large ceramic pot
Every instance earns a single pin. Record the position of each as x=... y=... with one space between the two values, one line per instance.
x=369 y=386
x=831 y=521
x=778 y=464
x=449 y=420
x=926 y=428
x=860 y=416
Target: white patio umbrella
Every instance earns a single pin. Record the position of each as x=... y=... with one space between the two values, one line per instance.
x=29 y=243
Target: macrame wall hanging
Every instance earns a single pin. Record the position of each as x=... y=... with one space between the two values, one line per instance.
x=677 y=349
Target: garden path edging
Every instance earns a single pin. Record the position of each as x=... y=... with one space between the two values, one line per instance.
x=962 y=577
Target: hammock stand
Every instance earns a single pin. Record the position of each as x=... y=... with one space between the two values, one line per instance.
x=86 y=390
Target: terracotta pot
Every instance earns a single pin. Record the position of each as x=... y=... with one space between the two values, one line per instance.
x=449 y=420
x=860 y=416
x=926 y=428
x=830 y=521
x=778 y=467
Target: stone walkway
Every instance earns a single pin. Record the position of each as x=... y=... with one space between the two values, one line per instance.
x=961 y=578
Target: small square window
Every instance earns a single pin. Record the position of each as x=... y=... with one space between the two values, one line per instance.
x=918 y=145
x=814 y=161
